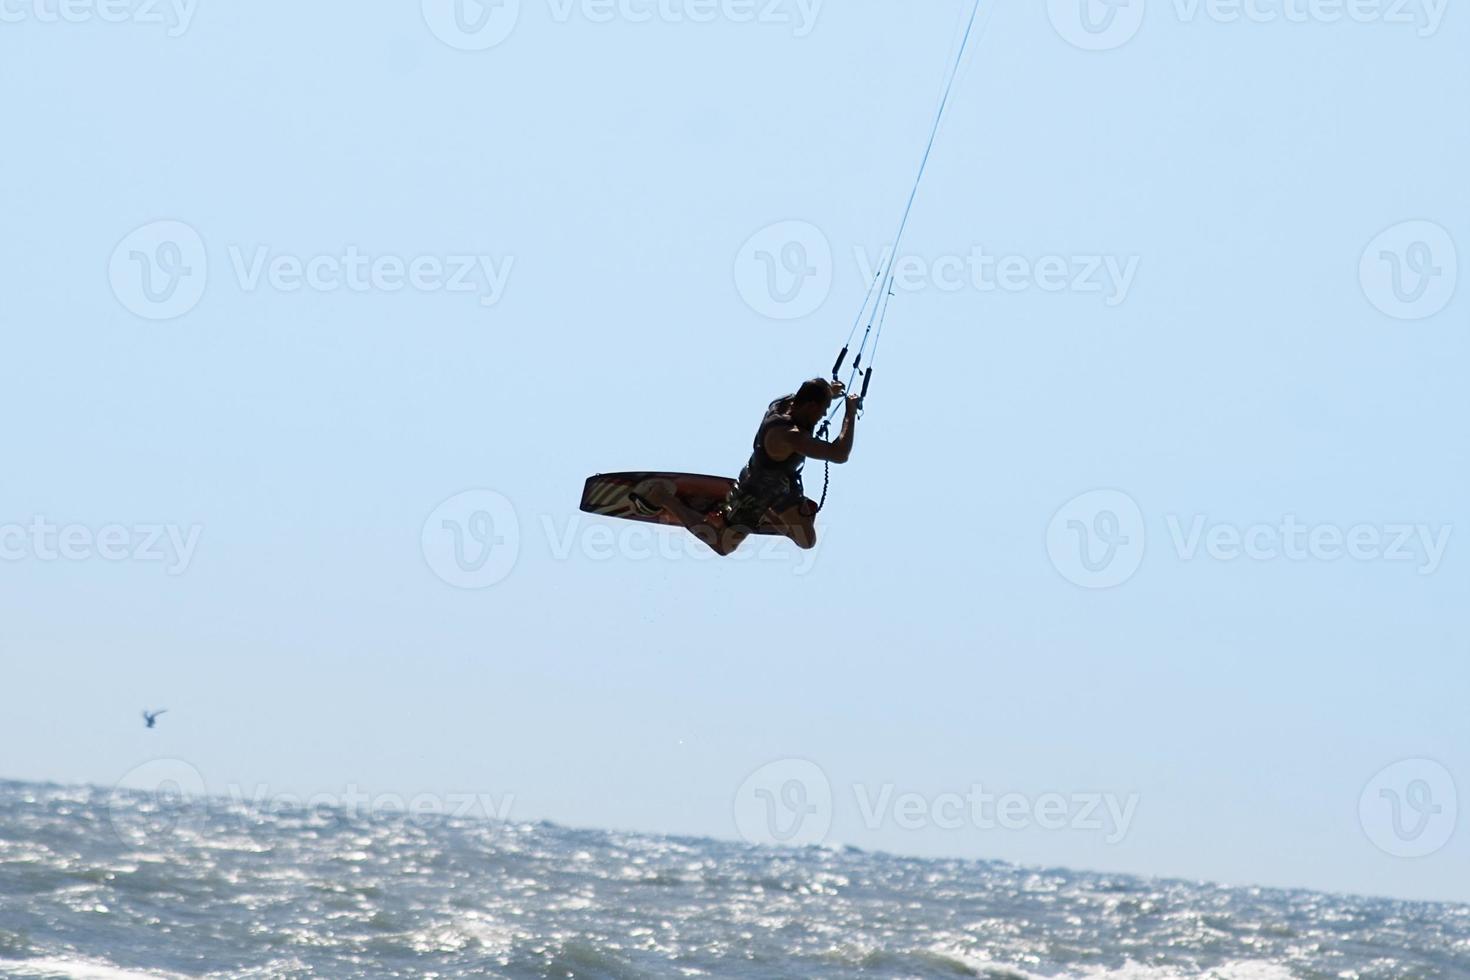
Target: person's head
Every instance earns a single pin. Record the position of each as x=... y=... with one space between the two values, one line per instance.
x=812 y=402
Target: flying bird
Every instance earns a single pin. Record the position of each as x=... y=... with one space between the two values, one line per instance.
x=150 y=718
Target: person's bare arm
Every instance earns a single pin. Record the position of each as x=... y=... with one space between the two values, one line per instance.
x=784 y=442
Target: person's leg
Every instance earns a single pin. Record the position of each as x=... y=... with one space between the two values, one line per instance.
x=721 y=540
x=799 y=523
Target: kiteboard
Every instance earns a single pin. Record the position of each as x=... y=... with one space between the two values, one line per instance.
x=617 y=495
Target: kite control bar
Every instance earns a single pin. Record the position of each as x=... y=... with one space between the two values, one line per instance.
x=857 y=367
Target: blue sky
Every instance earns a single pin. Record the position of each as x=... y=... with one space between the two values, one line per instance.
x=1216 y=262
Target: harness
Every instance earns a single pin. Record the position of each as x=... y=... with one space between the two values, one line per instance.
x=765 y=482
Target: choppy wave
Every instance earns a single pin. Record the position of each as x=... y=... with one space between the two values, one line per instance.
x=96 y=885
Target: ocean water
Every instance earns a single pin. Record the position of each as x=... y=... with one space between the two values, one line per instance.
x=95 y=884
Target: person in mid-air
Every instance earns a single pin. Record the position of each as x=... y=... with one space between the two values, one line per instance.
x=770 y=490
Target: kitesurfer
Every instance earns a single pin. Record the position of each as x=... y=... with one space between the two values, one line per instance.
x=770 y=490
